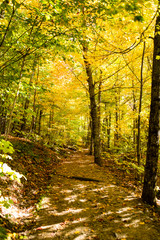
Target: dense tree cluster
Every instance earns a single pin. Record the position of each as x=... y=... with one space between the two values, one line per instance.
x=81 y=71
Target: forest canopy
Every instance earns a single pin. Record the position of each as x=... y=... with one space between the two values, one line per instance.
x=76 y=72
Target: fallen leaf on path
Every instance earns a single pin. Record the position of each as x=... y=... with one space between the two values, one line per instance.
x=39 y=228
x=110 y=217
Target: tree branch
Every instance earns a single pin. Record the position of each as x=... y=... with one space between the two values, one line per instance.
x=5 y=34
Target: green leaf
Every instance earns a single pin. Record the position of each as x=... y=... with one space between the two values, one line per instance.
x=6 y=146
x=3 y=233
x=139 y=18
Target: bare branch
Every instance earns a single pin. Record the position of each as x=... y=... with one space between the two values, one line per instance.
x=7 y=29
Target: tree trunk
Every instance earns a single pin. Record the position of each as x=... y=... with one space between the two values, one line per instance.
x=134 y=118
x=3 y=115
x=108 y=120
x=39 y=122
x=116 y=133
x=93 y=110
x=139 y=111
x=7 y=131
x=26 y=105
x=34 y=116
x=99 y=105
x=33 y=122
x=107 y=126
x=89 y=142
x=24 y=118
x=150 y=176
x=51 y=115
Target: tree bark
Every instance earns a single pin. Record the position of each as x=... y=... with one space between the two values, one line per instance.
x=134 y=118
x=39 y=122
x=99 y=104
x=34 y=116
x=3 y=114
x=93 y=110
x=89 y=142
x=117 y=121
x=7 y=131
x=108 y=120
x=26 y=105
x=33 y=122
x=150 y=176
x=106 y=127
x=139 y=111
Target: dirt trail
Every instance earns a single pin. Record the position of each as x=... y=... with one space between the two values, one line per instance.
x=77 y=210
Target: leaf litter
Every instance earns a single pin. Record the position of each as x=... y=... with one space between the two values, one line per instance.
x=102 y=210
x=62 y=200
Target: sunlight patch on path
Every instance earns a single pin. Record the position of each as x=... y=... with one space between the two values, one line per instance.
x=85 y=210
x=73 y=211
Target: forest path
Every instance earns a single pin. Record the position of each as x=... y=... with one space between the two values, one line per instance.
x=74 y=209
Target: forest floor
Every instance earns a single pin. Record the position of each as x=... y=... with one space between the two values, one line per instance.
x=85 y=201
x=79 y=201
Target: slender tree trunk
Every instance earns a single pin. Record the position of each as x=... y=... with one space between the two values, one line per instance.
x=3 y=110
x=26 y=105
x=3 y=121
x=89 y=142
x=24 y=118
x=93 y=110
x=108 y=120
x=150 y=176
x=33 y=122
x=107 y=126
x=9 y=23
x=3 y=115
x=39 y=121
x=7 y=132
x=116 y=134
x=134 y=118
x=99 y=108
x=50 y=122
x=139 y=111
x=90 y=138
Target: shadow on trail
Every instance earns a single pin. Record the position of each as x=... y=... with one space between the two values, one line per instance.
x=81 y=178
x=79 y=210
